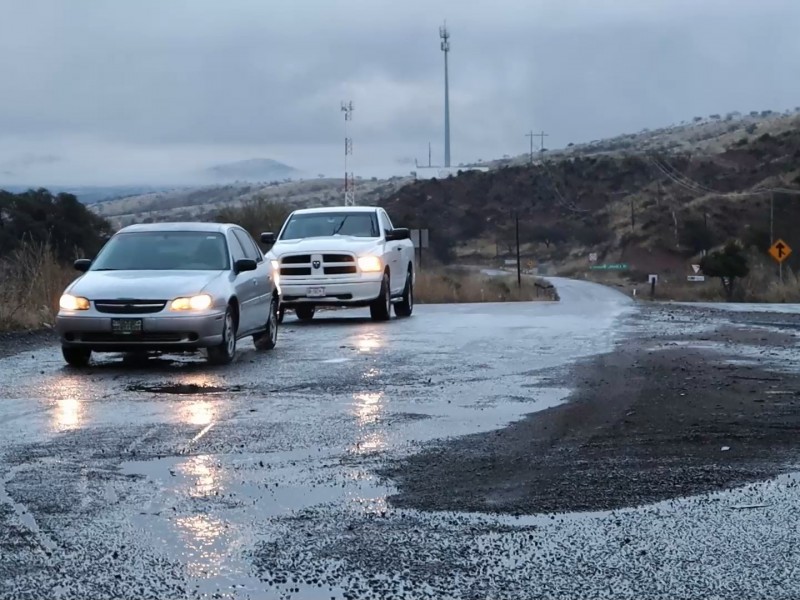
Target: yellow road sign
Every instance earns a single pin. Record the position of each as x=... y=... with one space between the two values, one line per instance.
x=780 y=251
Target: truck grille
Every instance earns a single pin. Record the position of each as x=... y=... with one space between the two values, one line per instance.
x=130 y=307
x=318 y=265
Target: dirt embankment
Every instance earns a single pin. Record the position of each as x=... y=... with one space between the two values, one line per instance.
x=653 y=420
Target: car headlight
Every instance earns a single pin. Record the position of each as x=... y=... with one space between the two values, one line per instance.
x=370 y=264
x=201 y=302
x=276 y=265
x=70 y=302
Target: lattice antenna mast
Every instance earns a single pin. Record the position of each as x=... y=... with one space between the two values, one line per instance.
x=349 y=180
x=445 y=36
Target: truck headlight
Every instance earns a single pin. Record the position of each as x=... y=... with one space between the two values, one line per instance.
x=201 y=302
x=70 y=302
x=370 y=264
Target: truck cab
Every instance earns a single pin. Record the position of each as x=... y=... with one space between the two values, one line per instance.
x=346 y=256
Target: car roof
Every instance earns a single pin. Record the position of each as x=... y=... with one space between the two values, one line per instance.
x=179 y=226
x=330 y=209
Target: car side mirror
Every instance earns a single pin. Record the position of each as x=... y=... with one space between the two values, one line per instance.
x=399 y=233
x=245 y=264
x=82 y=264
x=268 y=238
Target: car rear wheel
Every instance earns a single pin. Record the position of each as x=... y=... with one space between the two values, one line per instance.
x=76 y=357
x=225 y=352
x=405 y=307
x=381 y=307
x=268 y=339
x=305 y=313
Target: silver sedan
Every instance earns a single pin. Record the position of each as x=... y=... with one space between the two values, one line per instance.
x=171 y=287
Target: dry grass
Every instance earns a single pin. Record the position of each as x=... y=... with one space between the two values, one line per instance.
x=442 y=286
x=33 y=279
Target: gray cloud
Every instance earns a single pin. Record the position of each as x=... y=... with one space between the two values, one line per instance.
x=155 y=90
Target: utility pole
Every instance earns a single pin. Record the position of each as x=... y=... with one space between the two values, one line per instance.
x=541 y=137
x=445 y=45
x=429 y=155
x=349 y=180
x=519 y=264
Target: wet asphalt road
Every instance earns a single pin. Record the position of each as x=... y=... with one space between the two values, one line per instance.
x=257 y=480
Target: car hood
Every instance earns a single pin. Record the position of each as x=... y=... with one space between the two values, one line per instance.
x=142 y=285
x=335 y=243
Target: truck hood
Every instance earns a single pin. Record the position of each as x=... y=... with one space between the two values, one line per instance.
x=141 y=285
x=335 y=243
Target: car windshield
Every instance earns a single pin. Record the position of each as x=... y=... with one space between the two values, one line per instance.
x=358 y=224
x=164 y=251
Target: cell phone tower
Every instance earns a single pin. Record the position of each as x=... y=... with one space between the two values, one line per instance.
x=349 y=180
x=445 y=35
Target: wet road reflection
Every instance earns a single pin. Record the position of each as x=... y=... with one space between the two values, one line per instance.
x=204 y=471
x=368 y=408
x=69 y=404
x=204 y=539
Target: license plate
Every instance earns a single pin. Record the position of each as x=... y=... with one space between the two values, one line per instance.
x=315 y=292
x=126 y=326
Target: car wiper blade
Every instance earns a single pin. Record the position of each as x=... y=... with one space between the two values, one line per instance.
x=106 y=269
x=339 y=228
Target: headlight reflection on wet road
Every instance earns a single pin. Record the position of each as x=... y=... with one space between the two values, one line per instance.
x=204 y=550
x=368 y=408
x=69 y=410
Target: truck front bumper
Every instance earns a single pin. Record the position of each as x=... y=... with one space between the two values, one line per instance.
x=358 y=291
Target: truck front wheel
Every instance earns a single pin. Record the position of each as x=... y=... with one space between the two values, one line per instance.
x=381 y=307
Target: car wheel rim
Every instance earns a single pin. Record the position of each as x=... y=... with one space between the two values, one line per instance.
x=273 y=321
x=230 y=340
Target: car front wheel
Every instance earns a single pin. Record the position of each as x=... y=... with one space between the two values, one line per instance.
x=269 y=338
x=76 y=357
x=225 y=352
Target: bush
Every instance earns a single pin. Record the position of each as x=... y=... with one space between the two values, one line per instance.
x=455 y=286
x=33 y=280
x=729 y=264
x=256 y=216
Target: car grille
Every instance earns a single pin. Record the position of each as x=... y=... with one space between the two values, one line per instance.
x=129 y=307
x=329 y=265
x=153 y=337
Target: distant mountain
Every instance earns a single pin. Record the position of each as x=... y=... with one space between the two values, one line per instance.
x=254 y=169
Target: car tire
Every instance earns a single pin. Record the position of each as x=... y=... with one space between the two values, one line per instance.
x=225 y=352
x=305 y=313
x=381 y=307
x=405 y=307
x=269 y=338
x=76 y=357
x=281 y=314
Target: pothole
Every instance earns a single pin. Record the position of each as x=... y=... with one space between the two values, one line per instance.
x=184 y=388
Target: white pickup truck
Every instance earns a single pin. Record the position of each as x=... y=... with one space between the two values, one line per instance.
x=344 y=256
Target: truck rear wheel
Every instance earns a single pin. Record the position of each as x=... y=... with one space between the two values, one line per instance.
x=405 y=307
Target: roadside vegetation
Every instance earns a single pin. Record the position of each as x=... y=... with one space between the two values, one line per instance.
x=40 y=236
x=442 y=285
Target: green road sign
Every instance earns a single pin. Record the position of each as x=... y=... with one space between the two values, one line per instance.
x=610 y=267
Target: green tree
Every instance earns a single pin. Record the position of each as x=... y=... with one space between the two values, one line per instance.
x=729 y=264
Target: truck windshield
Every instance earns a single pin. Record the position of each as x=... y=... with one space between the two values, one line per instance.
x=358 y=224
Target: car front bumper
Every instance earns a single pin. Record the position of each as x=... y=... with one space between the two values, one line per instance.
x=355 y=291
x=159 y=331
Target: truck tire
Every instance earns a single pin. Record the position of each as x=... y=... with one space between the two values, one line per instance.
x=405 y=307
x=381 y=307
x=305 y=313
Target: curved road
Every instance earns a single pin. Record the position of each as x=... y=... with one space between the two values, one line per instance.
x=174 y=479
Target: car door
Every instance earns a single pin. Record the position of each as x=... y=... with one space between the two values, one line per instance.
x=246 y=287
x=393 y=254
x=262 y=274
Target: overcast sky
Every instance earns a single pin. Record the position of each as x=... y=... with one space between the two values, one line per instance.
x=152 y=91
